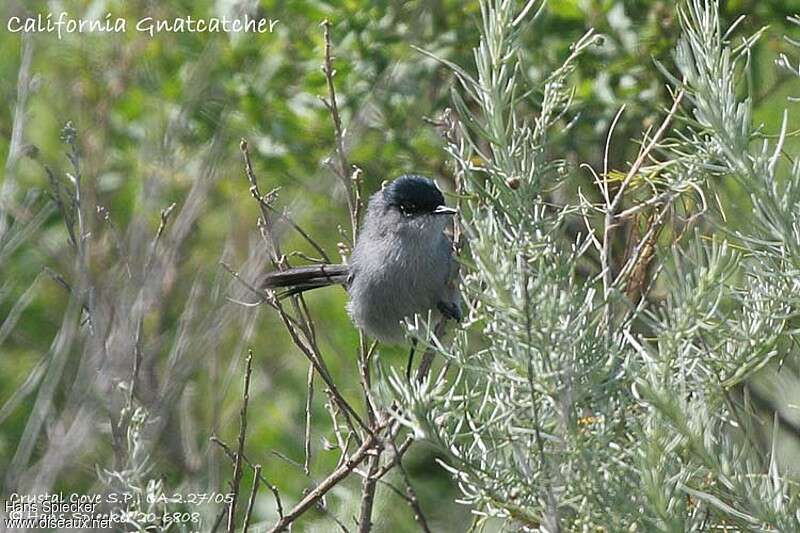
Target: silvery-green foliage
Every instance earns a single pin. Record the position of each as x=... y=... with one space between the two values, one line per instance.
x=143 y=494
x=562 y=406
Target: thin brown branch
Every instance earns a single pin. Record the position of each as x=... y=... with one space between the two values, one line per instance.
x=309 y=401
x=645 y=242
x=364 y=374
x=411 y=496
x=251 y=503
x=321 y=370
x=326 y=485
x=368 y=486
x=237 y=468
x=263 y=203
x=258 y=292
x=359 y=198
x=342 y=170
x=232 y=456
x=314 y=244
x=637 y=280
x=612 y=205
x=645 y=152
x=302 y=331
x=398 y=455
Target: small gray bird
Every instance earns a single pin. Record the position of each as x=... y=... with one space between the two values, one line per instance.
x=402 y=263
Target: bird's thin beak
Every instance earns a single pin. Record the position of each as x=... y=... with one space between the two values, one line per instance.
x=444 y=210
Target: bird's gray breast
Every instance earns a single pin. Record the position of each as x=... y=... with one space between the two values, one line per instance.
x=396 y=272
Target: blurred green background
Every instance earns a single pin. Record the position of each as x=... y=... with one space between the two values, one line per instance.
x=159 y=121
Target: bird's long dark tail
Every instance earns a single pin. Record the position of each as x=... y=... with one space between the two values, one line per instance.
x=301 y=279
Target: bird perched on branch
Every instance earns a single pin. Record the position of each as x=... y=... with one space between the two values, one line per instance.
x=402 y=263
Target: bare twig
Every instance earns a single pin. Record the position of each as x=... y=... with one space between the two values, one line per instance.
x=342 y=171
x=411 y=497
x=359 y=198
x=253 y=494
x=258 y=292
x=645 y=152
x=237 y=468
x=368 y=486
x=303 y=233
x=352 y=186
x=309 y=401
x=612 y=204
x=398 y=455
x=220 y=516
x=232 y=456
x=311 y=354
x=327 y=484
x=364 y=374
x=302 y=331
x=263 y=203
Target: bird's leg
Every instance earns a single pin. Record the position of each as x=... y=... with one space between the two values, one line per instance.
x=411 y=358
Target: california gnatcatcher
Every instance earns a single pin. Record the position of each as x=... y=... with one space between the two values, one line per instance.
x=402 y=263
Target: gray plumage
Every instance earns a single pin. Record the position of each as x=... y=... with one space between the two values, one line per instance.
x=401 y=265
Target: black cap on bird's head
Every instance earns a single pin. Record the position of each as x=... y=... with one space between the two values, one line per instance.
x=415 y=195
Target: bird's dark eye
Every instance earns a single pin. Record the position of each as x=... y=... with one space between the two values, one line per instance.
x=408 y=208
